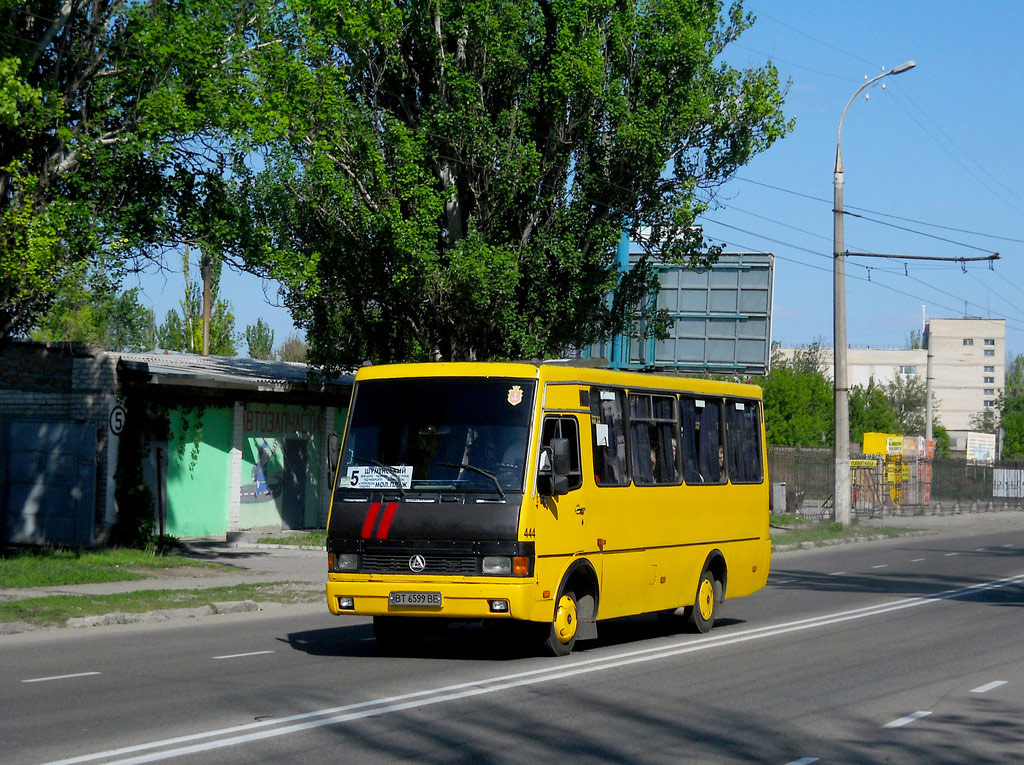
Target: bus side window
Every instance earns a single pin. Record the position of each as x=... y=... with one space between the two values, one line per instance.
x=609 y=437
x=653 y=439
x=701 y=436
x=744 y=437
x=567 y=428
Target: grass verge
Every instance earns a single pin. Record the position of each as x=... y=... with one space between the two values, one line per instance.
x=792 y=529
x=55 y=610
x=53 y=568
x=305 y=539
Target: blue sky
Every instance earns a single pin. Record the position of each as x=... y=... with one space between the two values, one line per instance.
x=936 y=151
x=939 y=145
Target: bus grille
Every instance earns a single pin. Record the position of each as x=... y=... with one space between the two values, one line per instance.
x=380 y=563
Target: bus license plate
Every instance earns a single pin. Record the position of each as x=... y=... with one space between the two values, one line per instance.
x=428 y=599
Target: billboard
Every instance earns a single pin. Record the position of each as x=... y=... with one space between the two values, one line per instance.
x=719 y=320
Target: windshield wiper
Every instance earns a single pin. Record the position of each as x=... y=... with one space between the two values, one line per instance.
x=389 y=471
x=481 y=471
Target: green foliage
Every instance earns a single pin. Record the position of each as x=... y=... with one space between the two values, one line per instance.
x=798 y=401
x=93 y=312
x=260 y=339
x=1011 y=410
x=113 y=120
x=55 y=567
x=450 y=180
x=908 y=397
x=294 y=349
x=941 y=437
x=871 y=412
x=183 y=330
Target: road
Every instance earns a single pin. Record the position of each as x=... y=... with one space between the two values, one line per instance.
x=906 y=651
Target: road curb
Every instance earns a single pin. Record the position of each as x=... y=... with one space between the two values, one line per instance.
x=142 y=617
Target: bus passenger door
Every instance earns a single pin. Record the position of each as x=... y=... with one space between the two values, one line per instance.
x=567 y=528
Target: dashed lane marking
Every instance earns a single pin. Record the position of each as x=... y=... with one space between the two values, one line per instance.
x=59 y=677
x=988 y=686
x=241 y=655
x=906 y=720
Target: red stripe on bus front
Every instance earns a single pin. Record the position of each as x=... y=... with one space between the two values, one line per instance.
x=385 y=522
x=371 y=519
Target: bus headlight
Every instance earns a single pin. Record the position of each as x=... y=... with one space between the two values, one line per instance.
x=343 y=561
x=497 y=564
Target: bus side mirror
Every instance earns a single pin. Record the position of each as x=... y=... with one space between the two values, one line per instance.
x=333 y=451
x=553 y=468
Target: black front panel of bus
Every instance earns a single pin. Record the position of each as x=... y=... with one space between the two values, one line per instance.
x=386 y=517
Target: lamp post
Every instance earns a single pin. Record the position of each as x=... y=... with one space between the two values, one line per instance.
x=841 y=495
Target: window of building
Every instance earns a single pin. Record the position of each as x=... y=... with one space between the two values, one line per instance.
x=567 y=428
x=968 y=341
x=990 y=391
x=653 y=439
x=989 y=404
x=908 y=370
x=989 y=341
x=607 y=409
x=701 y=440
x=744 y=442
x=989 y=380
x=990 y=369
x=989 y=352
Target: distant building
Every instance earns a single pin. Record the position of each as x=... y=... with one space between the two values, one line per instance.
x=968 y=368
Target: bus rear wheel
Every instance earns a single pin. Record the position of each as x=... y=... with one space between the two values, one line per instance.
x=561 y=634
x=709 y=593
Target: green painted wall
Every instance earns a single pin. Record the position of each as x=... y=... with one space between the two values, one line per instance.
x=198 y=475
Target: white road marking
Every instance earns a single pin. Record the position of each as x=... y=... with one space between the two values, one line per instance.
x=428 y=697
x=837 y=573
x=980 y=549
x=784 y=581
x=906 y=720
x=988 y=686
x=803 y=761
x=240 y=655
x=881 y=565
x=917 y=560
x=59 y=677
x=950 y=555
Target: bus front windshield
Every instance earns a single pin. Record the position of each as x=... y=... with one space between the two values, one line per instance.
x=438 y=434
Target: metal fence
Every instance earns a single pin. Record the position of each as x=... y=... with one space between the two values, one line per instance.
x=893 y=486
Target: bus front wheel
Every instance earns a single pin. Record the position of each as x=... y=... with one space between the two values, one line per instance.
x=709 y=593
x=561 y=635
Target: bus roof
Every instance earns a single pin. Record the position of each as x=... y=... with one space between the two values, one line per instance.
x=559 y=372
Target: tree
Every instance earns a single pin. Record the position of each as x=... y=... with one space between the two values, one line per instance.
x=260 y=339
x=1011 y=410
x=293 y=349
x=908 y=396
x=452 y=178
x=798 y=400
x=92 y=311
x=183 y=331
x=871 y=412
x=114 y=120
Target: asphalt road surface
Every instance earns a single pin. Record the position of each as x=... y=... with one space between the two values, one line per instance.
x=903 y=651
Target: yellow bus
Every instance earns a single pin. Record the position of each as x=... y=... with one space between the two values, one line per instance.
x=550 y=494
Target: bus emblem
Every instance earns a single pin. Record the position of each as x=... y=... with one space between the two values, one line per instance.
x=417 y=564
x=515 y=395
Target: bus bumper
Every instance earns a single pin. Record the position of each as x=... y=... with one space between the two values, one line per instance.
x=475 y=599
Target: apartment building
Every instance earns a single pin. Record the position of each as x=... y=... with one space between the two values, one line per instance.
x=968 y=368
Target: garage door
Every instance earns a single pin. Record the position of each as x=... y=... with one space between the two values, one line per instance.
x=51 y=483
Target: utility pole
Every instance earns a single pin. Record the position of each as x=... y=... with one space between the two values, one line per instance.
x=841 y=493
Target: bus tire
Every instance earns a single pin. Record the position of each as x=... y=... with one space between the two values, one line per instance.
x=705 y=605
x=561 y=633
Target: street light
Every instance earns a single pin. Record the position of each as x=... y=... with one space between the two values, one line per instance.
x=841 y=495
